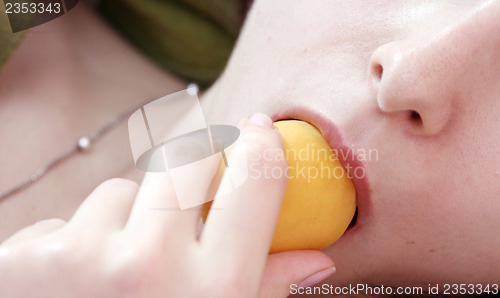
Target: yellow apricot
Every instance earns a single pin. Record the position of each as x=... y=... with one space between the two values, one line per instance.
x=320 y=199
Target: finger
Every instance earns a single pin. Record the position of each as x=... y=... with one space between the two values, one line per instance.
x=156 y=204
x=107 y=207
x=241 y=223
x=286 y=271
x=169 y=204
x=38 y=229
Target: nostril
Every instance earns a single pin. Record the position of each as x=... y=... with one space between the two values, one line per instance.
x=378 y=71
x=415 y=117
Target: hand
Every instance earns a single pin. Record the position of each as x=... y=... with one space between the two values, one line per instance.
x=116 y=245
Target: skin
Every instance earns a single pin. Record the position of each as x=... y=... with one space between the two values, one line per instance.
x=369 y=67
x=70 y=228
x=66 y=81
x=366 y=67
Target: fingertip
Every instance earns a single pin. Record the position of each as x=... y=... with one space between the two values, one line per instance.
x=261 y=119
x=317 y=277
x=299 y=267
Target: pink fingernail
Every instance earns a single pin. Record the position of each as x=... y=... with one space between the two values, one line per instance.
x=317 y=277
x=261 y=120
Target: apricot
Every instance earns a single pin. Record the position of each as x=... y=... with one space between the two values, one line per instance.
x=320 y=199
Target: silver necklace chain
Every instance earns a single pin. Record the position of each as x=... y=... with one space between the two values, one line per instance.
x=83 y=145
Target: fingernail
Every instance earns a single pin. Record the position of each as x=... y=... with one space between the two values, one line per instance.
x=317 y=277
x=261 y=120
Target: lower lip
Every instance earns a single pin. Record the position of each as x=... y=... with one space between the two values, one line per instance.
x=347 y=156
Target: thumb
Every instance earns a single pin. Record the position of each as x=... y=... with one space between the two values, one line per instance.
x=300 y=267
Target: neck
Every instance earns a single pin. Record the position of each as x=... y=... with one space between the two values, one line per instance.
x=68 y=78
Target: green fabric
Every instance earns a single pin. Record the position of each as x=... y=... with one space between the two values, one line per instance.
x=190 y=38
x=8 y=40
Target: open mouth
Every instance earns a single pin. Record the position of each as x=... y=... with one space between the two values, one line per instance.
x=353 y=221
x=349 y=161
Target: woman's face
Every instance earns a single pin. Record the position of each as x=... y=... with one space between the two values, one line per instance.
x=417 y=82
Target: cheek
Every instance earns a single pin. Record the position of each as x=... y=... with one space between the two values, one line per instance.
x=435 y=189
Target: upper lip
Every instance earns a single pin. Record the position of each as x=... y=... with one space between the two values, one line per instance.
x=347 y=155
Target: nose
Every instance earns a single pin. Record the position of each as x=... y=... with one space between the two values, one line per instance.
x=426 y=80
